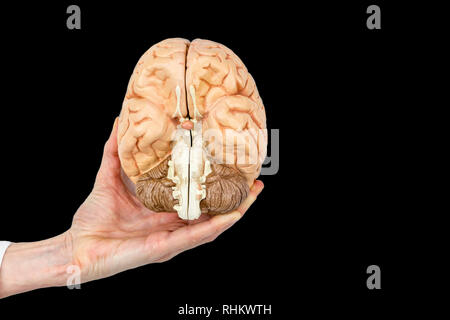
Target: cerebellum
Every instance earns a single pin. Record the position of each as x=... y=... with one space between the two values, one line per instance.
x=154 y=189
x=226 y=188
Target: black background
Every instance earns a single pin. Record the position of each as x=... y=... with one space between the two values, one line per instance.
x=341 y=201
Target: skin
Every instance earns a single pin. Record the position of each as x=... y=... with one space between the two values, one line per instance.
x=111 y=232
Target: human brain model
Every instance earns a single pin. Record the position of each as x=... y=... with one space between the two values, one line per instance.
x=192 y=129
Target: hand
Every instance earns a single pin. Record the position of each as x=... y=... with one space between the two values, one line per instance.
x=111 y=232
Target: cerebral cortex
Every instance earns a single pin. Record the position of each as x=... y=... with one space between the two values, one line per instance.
x=192 y=130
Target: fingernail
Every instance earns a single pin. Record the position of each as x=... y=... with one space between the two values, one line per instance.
x=228 y=218
x=258 y=186
x=235 y=216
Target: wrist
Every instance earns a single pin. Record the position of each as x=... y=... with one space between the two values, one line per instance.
x=32 y=265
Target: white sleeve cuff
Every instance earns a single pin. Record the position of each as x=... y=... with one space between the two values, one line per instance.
x=3 y=246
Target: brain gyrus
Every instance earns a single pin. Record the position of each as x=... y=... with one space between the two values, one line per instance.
x=192 y=130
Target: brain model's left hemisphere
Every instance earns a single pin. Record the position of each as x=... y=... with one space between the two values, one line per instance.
x=181 y=101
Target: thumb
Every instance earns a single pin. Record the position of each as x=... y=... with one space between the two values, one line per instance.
x=110 y=166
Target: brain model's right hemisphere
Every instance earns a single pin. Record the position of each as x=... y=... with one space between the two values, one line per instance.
x=192 y=130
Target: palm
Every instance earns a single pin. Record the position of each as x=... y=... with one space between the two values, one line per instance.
x=111 y=211
x=111 y=222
